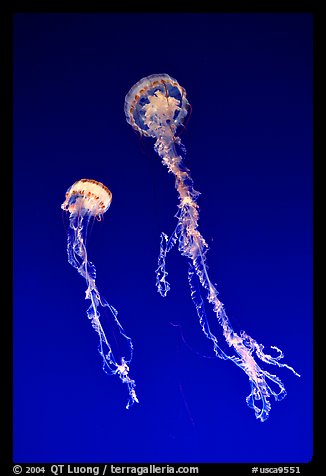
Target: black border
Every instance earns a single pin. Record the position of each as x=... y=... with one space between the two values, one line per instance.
x=7 y=11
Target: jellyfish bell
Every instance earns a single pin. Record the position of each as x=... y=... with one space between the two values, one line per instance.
x=87 y=196
x=156 y=105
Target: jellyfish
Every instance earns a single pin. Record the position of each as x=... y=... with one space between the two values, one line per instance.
x=87 y=199
x=156 y=107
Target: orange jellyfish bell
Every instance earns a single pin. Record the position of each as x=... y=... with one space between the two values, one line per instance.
x=88 y=196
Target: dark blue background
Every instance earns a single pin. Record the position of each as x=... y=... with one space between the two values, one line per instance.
x=249 y=147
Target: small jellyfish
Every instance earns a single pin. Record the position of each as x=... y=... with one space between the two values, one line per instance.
x=156 y=107
x=85 y=200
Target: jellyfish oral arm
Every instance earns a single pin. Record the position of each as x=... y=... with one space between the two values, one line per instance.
x=77 y=256
x=194 y=247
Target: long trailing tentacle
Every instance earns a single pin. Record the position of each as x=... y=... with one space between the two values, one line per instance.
x=192 y=245
x=77 y=257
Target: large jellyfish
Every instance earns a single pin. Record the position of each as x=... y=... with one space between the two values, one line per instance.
x=85 y=200
x=156 y=107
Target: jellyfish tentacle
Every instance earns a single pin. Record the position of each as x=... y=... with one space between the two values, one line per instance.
x=166 y=244
x=201 y=312
x=194 y=247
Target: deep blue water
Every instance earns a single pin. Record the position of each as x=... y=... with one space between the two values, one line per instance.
x=248 y=78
